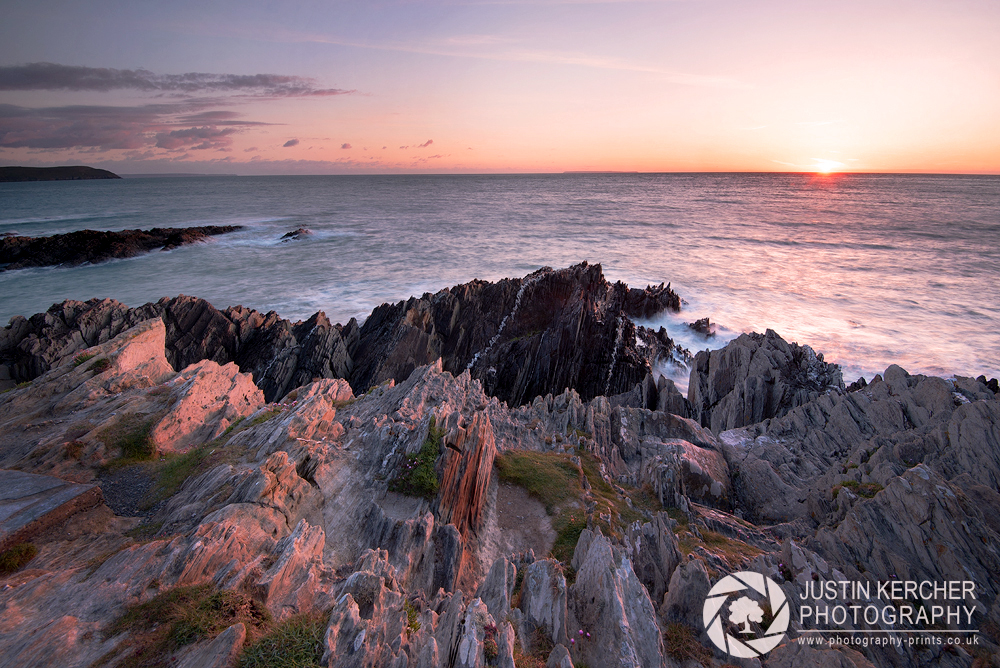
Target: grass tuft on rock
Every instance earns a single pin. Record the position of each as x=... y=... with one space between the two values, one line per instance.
x=557 y=481
x=295 y=643
x=549 y=477
x=130 y=435
x=16 y=558
x=681 y=644
x=416 y=475
x=100 y=366
x=83 y=357
x=179 y=617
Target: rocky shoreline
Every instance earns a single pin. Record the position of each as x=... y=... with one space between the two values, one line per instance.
x=486 y=476
x=92 y=246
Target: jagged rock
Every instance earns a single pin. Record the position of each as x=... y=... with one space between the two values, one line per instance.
x=498 y=587
x=559 y=658
x=521 y=337
x=549 y=331
x=91 y=246
x=686 y=593
x=471 y=652
x=292 y=584
x=755 y=377
x=297 y=511
x=919 y=527
x=704 y=327
x=295 y=234
x=682 y=469
x=670 y=400
x=652 y=548
x=207 y=399
x=543 y=600
x=608 y=601
x=219 y=653
x=280 y=355
x=787 y=467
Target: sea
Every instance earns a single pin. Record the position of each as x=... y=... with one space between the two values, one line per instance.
x=868 y=269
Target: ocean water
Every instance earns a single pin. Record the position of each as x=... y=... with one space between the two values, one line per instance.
x=867 y=269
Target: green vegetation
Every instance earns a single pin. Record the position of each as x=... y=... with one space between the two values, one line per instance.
x=100 y=366
x=295 y=643
x=130 y=434
x=731 y=550
x=863 y=489
x=549 y=477
x=145 y=531
x=416 y=475
x=177 y=618
x=264 y=417
x=83 y=357
x=412 y=624
x=16 y=558
x=568 y=530
x=558 y=482
x=681 y=644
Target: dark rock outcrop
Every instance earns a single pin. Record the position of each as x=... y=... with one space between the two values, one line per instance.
x=522 y=338
x=280 y=355
x=704 y=327
x=755 y=377
x=295 y=234
x=75 y=248
x=552 y=330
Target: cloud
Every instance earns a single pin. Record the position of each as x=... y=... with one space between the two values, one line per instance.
x=170 y=126
x=345 y=145
x=290 y=142
x=425 y=144
x=195 y=139
x=52 y=76
x=403 y=147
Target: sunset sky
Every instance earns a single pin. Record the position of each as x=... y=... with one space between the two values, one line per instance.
x=325 y=87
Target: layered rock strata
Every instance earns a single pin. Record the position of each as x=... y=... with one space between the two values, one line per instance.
x=521 y=338
x=289 y=504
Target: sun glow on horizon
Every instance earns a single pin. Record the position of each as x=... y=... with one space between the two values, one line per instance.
x=824 y=166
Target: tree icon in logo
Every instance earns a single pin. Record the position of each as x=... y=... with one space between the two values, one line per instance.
x=743 y=611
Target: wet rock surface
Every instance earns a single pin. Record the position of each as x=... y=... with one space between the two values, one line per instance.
x=295 y=504
x=91 y=246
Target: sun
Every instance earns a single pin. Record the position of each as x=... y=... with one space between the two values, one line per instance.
x=824 y=166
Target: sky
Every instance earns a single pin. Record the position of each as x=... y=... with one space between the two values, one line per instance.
x=410 y=86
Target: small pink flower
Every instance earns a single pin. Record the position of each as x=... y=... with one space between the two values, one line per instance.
x=588 y=635
x=581 y=631
x=572 y=641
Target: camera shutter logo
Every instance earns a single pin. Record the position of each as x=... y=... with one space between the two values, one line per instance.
x=742 y=611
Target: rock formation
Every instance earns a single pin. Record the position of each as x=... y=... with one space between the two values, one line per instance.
x=284 y=512
x=74 y=248
x=521 y=338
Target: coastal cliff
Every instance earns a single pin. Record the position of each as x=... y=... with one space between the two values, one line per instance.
x=69 y=173
x=410 y=508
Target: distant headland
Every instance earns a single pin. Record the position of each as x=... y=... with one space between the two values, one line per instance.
x=67 y=173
